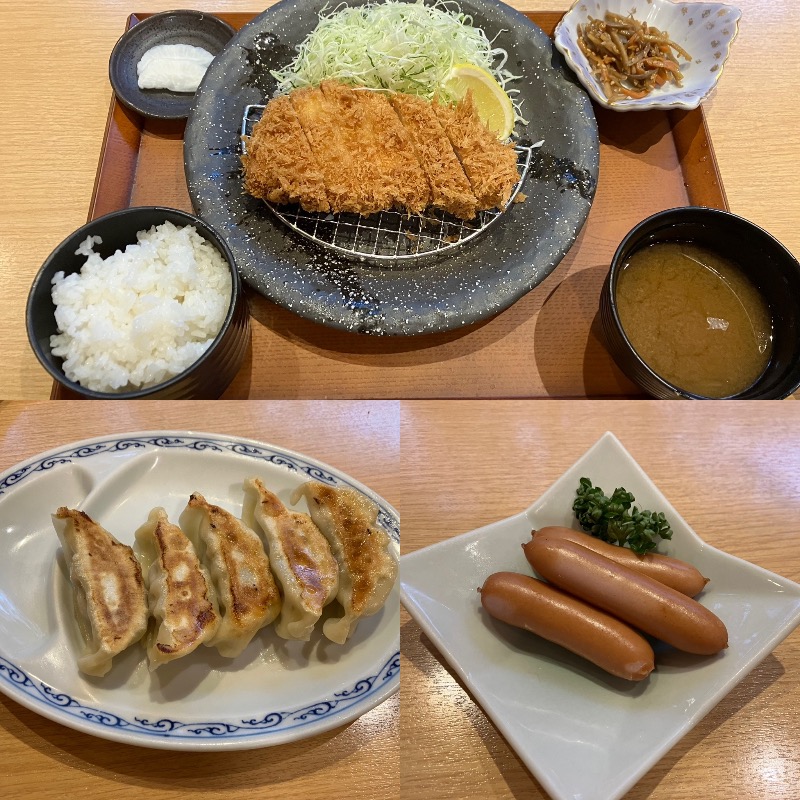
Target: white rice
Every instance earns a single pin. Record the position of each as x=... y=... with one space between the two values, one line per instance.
x=140 y=317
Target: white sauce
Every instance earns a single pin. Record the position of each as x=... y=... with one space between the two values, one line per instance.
x=176 y=67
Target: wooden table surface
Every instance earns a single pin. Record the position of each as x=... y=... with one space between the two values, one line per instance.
x=53 y=74
x=732 y=471
x=732 y=474
x=41 y=759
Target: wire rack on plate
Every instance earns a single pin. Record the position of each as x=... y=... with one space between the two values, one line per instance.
x=389 y=237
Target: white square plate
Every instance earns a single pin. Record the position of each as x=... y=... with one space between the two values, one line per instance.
x=555 y=709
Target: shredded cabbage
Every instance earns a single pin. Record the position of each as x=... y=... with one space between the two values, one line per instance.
x=403 y=47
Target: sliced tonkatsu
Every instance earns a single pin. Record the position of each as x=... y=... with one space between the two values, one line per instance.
x=279 y=166
x=349 y=183
x=369 y=185
x=490 y=165
x=450 y=189
x=335 y=148
x=398 y=164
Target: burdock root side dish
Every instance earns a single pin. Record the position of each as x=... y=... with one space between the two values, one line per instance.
x=630 y=58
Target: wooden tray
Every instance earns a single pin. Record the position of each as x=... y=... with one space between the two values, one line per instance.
x=548 y=344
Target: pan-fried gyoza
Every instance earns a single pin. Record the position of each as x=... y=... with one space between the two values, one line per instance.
x=299 y=556
x=183 y=603
x=234 y=555
x=367 y=570
x=110 y=602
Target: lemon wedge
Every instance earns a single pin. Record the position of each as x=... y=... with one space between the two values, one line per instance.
x=492 y=103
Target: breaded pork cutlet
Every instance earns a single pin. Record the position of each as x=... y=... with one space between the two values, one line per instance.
x=335 y=148
x=351 y=180
x=279 y=166
x=370 y=184
x=450 y=189
x=399 y=166
x=490 y=165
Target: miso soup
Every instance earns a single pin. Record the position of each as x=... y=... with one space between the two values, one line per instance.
x=694 y=318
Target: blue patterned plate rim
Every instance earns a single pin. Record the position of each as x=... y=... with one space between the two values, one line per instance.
x=337 y=710
x=263 y=728
x=313 y=469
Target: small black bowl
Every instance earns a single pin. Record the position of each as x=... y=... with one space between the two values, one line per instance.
x=772 y=269
x=171 y=27
x=209 y=376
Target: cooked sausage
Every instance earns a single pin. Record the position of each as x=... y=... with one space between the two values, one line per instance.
x=558 y=617
x=640 y=601
x=673 y=572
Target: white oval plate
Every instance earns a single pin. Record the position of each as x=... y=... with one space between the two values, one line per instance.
x=274 y=692
x=584 y=733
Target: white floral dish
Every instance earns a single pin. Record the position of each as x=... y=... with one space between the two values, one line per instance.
x=583 y=733
x=274 y=692
x=705 y=30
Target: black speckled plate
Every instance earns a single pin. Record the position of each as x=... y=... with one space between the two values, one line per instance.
x=484 y=277
x=171 y=27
